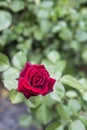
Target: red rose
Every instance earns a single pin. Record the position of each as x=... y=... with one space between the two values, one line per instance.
x=35 y=80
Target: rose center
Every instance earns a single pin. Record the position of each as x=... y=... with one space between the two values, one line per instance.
x=37 y=80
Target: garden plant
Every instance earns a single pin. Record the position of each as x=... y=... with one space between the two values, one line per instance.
x=43 y=61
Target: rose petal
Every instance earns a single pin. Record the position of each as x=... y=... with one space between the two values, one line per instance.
x=23 y=72
x=21 y=88
x=25 y=90
x=38 y=66
x=50 y=86
x=30 y=88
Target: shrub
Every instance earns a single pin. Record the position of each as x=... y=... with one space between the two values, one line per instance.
x=53 y=33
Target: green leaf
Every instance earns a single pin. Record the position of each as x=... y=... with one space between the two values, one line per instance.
x=71 y=94
x=4 y=62
x=56 y=29
x=77 y=125
x=84 y=95
x=46 y=63
x=54 y=96
x=10 y=73
x=84 y=55
x=25 y=120
x=3 y=4
x=19 y=60
x=55 y=70
x=58 y=92
x=46 y=4
x=43 y=114
x=30 y=103
x=83 y=81
x=62 y=112
x=72 y=82
x=81 y=36
x=53 y=56
x=5 y=19
x=66 y=34
x=83 y=118
x=75 y=45
x=48 y=101
x=60 y=65
x=10 y=84
x=74 y=108
x=60 y=128
x=56 y=75
x=42 y=14
x=68 y=110
x=52 y=70
x=17 y=6
x=38 y=35
x=53 y=126
x=16 y=97
x=34 y=102
x=37 y=2
x=61 y=24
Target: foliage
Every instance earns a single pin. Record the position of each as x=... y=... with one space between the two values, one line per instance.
x=53 y=33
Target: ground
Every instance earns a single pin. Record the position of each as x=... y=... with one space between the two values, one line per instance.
x=9 y=113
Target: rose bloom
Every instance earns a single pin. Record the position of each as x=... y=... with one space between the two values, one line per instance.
x=35 y=80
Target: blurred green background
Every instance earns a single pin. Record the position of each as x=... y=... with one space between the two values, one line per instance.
x=34 y=30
